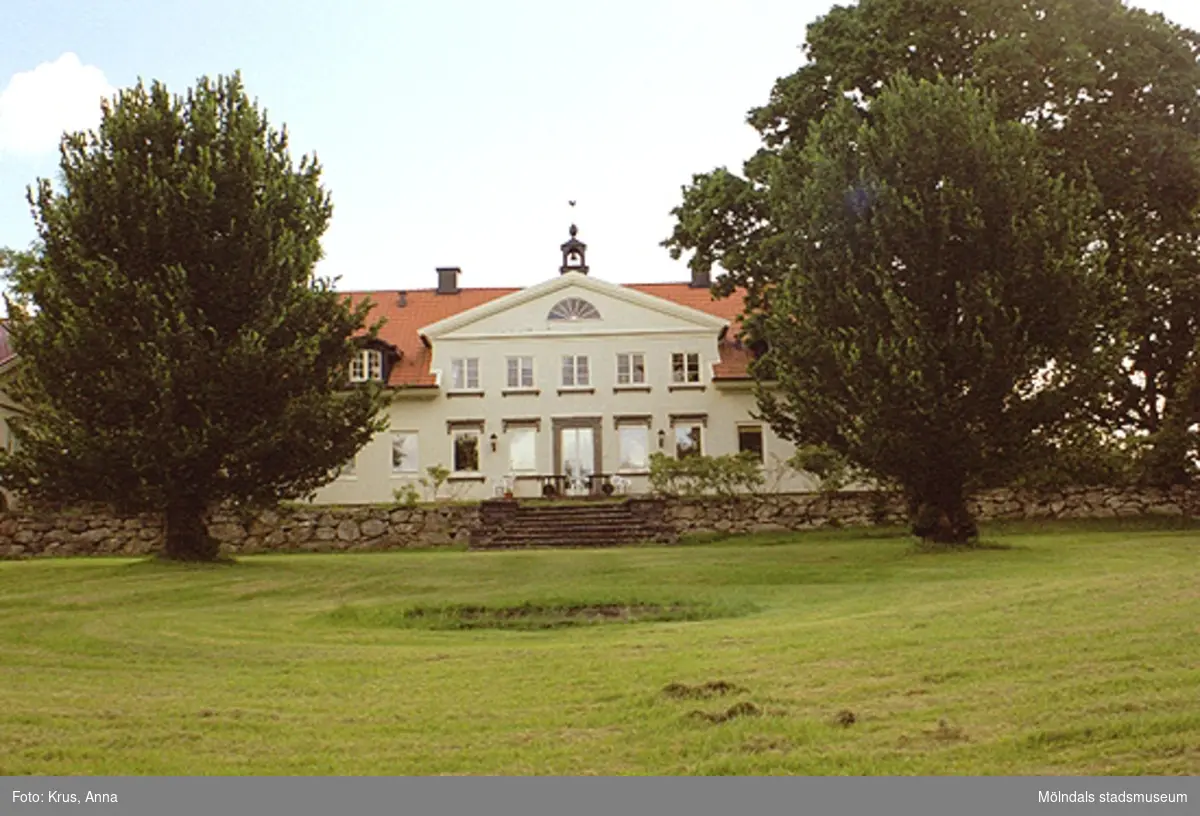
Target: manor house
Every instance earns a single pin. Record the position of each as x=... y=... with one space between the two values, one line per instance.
x=565 y=388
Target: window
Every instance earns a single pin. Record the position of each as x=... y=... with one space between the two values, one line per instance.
x=685 y=368
x=466 y=451
x=464 y=374
x=687 y=441
x=522 y=449
x=634 y=444
x=404 y=452
x=750 y=440
x=573 y=308
x=520 y=372
x=575 y=372
x=366 y=365
x=631 y=369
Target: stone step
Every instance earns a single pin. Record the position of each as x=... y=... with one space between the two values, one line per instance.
x=516 y=544
x=582 y=515
x=595 y=525
x=623 y=532
x=600 y=524
x=592 y=509
x=578 y=508
x=561 y=532
x=572 y=523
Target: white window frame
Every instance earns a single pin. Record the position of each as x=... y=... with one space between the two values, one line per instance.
x=629 y=358
x=633 y=426
x=575 y=371
x=522 y=381
x=573 y=308
x=366 y=365
x=688 y=426
x=762 y=435
x=687 y=358
x=415 y=466
x=514 y=433
x=460 y=374
x=454 y=449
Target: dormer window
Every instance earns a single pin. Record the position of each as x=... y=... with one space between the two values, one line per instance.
x=573 y=308
x=366 y=365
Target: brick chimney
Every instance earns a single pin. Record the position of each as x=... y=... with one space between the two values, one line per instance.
x=701 y=280
x=448 y=280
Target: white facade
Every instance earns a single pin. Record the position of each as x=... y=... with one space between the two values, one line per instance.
x=521 y=396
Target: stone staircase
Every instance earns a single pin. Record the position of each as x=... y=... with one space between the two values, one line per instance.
x=507 y=524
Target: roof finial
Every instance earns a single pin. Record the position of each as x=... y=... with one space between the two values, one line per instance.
x=573 y=251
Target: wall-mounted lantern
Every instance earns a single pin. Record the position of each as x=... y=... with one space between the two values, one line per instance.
x=662 y=438
x=493 y=440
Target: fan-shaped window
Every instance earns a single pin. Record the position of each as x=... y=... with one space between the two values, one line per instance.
x=573 y=308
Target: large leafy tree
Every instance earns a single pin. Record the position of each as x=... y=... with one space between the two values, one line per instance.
x=176 y=348
x=935 y=322
x=1112 y=93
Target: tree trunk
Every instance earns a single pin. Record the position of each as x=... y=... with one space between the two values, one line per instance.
x=941 y=516
x=187 y=537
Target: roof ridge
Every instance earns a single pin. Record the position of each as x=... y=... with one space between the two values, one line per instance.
x=505 y=288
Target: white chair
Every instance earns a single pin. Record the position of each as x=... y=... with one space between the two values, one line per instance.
x=504 y=485
x=621 y=484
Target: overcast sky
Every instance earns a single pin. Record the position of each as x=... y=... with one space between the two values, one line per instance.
x=451 y=132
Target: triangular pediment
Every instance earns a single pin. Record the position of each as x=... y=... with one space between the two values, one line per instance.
x=580 y=305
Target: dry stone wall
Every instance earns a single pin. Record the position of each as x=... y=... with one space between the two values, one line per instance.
x=806 y=511
x=292 y=528
x=286 y=529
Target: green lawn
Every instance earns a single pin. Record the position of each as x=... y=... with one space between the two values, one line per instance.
x=1073 y=650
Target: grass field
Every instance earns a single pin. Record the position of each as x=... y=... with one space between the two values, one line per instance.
x=1066 y=650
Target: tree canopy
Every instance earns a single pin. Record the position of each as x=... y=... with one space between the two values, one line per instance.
x=936 y=321
x=1113 y=94
x=176 y=347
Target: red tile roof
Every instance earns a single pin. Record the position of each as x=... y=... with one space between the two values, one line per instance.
x=735 y=358
x=423 y=307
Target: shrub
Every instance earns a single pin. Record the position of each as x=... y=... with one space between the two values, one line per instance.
x=726 y=475
x=437 y=476
x=407 y=495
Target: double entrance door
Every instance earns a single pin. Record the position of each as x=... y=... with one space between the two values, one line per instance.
x=578 y=450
